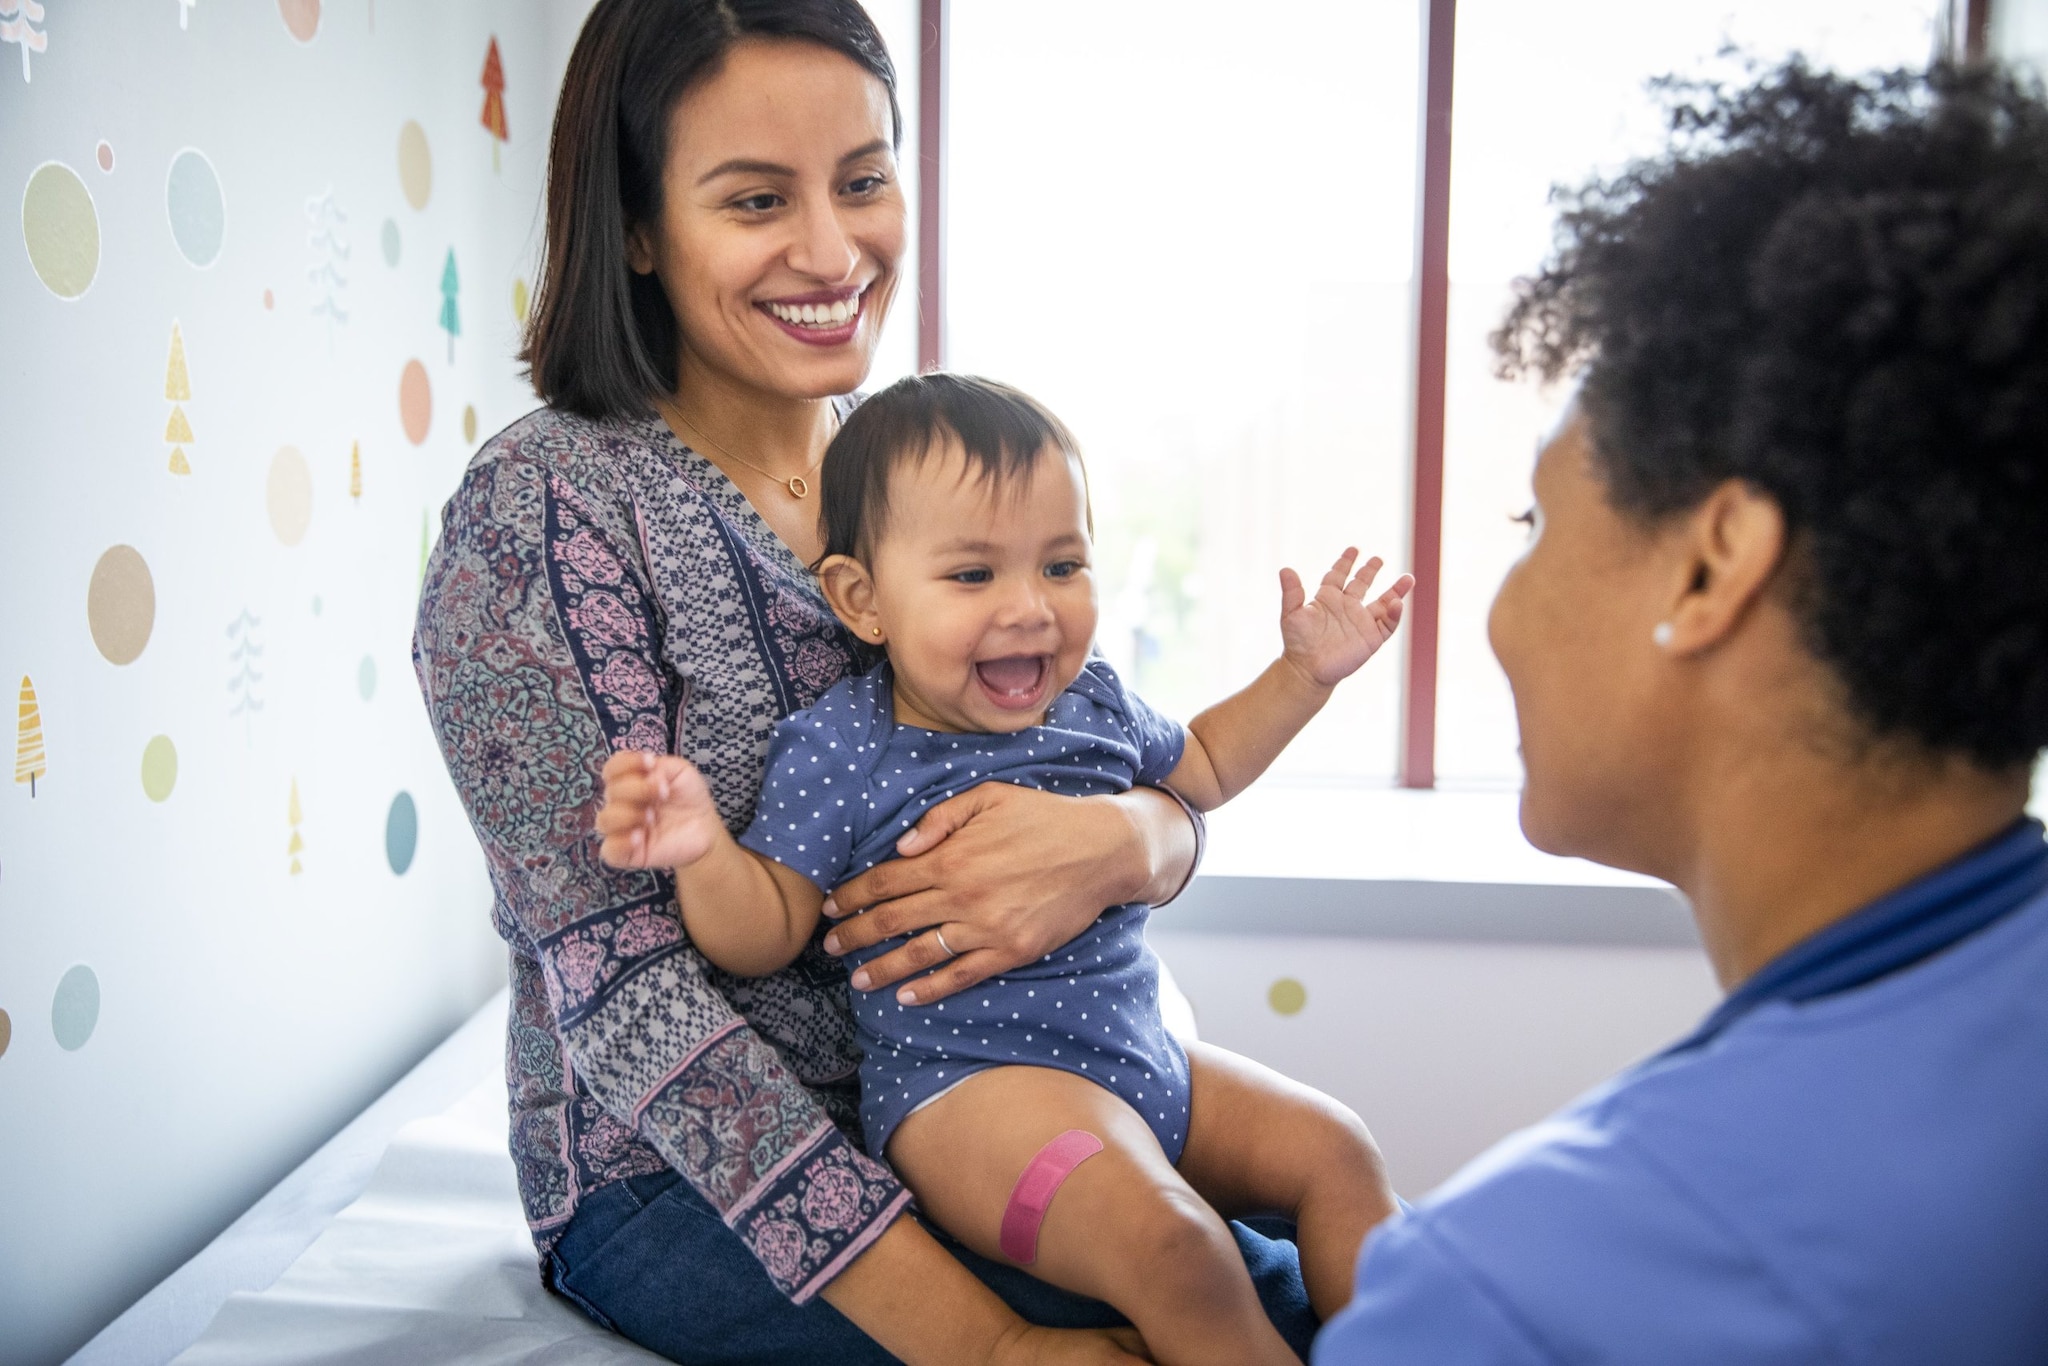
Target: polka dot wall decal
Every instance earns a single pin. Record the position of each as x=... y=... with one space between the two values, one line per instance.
x=120 y=604
x=366 y=678
x=6 y=1033
x=193 y=202
x=1287 y=996
x=415 y=402
x=159 y=768
x=316 y=604
x=401 y=833
x=389 y=239
x=415 y=164
x=521 y=300
x=104 y=155
x=469 y=424
x=289 y=495
x=75 y=1008
x=61 y=229
x=269 y=300
x=301 y=17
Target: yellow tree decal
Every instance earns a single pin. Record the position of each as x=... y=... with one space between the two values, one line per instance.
x=178 y=389
x=297 y=846
x=29 y=763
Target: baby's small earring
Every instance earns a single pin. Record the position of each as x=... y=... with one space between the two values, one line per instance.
x=1663 y=635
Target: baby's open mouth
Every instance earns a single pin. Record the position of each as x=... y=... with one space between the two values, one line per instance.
x=1013 y=682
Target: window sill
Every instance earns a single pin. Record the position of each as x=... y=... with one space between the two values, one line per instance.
x=1391 y=863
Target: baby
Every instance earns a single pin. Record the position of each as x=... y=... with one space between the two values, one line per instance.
x=958 y=538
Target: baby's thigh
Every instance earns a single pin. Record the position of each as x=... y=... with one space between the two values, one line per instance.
x=962 y=1154
x=1260 y=1142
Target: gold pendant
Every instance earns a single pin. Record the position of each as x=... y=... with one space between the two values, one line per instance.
x=798 y=487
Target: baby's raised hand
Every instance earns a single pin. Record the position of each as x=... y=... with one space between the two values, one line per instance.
x=1329 y=636
x=657 y=812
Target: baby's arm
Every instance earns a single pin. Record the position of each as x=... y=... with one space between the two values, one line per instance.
x=1325 y=640
x=748 y=914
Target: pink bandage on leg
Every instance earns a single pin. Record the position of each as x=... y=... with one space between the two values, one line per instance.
x=1041 y=1180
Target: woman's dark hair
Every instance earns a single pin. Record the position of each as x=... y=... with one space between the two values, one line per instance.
x=1004 y=431
x=602 y=340
x=1835 y=289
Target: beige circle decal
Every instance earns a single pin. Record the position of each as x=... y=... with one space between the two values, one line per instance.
x=415 y=402
x=120 y=604
x=159 y=768
x=415 y=164
x=469 y=425
x=1287 y=996
x=302 y=17
x=289 y=495
x=61 y=228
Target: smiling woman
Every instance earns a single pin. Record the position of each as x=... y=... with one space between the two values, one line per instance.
x=628 y=569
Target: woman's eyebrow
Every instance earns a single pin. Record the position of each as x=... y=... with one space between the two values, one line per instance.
x=750 y=166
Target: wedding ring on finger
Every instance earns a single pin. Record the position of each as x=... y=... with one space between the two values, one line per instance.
x=944 y=947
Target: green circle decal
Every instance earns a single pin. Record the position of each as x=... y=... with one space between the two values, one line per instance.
x=75 y=1010
x=159 y=768
x=1287 y=996
x=366 y=678
x=61 y=229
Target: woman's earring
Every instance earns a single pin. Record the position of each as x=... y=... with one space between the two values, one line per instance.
x=877 y=631
x=1663 y=635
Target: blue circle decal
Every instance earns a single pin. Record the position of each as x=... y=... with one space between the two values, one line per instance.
x=75 y=1011
x=401 y=833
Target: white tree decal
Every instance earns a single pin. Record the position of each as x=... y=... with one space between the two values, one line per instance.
x=18 y=20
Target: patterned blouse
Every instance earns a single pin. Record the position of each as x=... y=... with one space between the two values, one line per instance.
x=599 y=586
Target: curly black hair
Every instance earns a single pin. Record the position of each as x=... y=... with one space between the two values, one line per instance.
x=1835 y=289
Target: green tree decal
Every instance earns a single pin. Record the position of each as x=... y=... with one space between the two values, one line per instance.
x=451 y=317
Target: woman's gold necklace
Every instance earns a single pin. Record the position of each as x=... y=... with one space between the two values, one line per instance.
x=799 y=485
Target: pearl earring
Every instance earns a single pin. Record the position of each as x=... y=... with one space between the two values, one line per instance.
x=1663 y=634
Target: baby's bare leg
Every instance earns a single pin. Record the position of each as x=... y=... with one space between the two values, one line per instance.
x=1261 y=1143
x=1123 y=1228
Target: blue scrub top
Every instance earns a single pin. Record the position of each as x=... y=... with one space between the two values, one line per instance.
x=1847 y=1163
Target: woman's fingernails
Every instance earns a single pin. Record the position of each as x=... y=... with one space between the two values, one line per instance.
x=861 y=980
x=832 y=943
x=907 y=996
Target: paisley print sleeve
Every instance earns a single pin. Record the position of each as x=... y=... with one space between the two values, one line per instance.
x=538 y=652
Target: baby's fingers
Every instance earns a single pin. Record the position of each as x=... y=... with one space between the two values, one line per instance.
x=1361 y=582
x=1292 y=596
x=1341 y=569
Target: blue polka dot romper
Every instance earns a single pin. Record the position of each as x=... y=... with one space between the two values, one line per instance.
x=845 y=782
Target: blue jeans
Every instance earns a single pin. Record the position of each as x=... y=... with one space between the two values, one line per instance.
x=650 y=1260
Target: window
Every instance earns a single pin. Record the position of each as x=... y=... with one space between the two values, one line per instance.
x=1546 y=94
x=1190 y=229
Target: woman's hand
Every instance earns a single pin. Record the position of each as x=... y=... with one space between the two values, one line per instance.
x=1003 y=875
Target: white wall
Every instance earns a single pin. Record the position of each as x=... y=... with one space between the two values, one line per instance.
x=1442 y=1047
x=244 y=1009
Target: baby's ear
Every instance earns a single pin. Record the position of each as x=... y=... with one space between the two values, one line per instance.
x=850 y=591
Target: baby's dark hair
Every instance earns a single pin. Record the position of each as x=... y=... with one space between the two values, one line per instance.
x=1005 y=433
x=1835 y=289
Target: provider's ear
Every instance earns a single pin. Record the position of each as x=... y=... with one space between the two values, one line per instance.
x=639 y=249
x=851 y=592
x=1730 y=548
